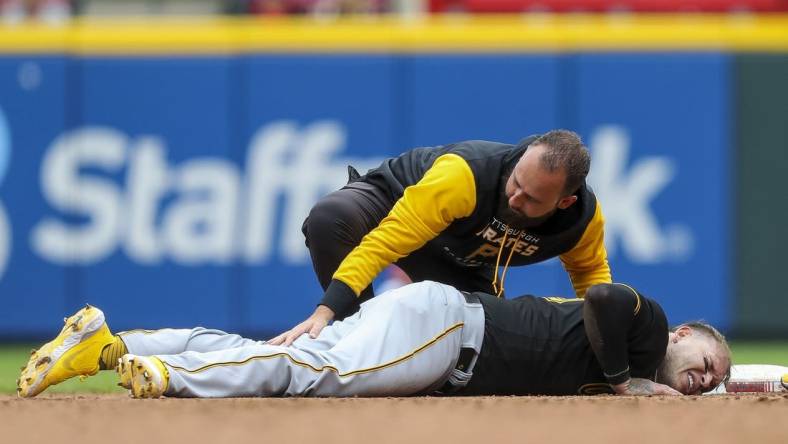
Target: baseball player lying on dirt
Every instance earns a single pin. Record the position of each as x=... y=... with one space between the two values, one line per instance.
x=424 y=338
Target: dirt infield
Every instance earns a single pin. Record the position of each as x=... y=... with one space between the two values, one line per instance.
x=485 y=420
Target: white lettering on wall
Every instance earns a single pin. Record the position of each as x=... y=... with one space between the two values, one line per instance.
x=626 y=195
x=204 y=210
x=97 y=198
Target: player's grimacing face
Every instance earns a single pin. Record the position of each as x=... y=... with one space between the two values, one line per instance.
x=694 y=362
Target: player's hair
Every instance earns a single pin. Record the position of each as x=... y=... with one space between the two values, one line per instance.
x=565 y=151
x=706 y=329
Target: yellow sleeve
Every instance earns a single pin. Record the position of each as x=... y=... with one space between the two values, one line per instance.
x=586 y=263
x=446 y=192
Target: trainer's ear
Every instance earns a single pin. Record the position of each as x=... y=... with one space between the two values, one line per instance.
x=567 y=202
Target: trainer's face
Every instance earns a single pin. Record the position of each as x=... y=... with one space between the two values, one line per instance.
x=694 y=362
x=533 y=193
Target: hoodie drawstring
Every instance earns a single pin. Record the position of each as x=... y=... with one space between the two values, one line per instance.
x=499 y=291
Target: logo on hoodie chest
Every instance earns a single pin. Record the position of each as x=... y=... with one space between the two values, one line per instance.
x=497 y=236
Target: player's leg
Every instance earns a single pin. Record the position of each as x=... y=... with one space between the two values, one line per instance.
x=401 y=343
x=85 y=345
x=228 y=372
x=338 y=222
x=202 y=340
x=171 y=341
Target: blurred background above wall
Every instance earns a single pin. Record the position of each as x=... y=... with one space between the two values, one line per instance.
x=54 y=10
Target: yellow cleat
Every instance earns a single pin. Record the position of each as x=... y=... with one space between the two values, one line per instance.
x=144 y=376
x=784 y=381
x=74 y=352
x=124 y=374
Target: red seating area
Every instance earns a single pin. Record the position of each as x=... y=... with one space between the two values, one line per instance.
x=493 y=6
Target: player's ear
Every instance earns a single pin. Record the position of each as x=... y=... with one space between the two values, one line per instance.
x=683 y=331
x=567 y=202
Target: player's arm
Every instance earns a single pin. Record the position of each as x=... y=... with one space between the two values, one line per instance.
x=446 y=192
x=586 y=263
x=610 y=313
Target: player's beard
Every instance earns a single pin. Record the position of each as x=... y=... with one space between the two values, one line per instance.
x=512 y=218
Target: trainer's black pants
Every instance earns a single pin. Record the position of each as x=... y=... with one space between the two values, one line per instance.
x=338 y=222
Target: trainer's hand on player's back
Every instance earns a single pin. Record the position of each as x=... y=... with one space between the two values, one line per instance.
x=641 y=386
x=313 y=325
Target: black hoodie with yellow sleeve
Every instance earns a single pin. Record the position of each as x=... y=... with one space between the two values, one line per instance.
x=445 y=199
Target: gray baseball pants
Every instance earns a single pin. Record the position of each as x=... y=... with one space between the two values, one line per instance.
x=402 y=342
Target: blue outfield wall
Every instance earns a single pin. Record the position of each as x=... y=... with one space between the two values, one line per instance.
x=171 y=191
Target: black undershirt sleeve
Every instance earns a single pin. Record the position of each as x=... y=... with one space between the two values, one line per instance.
x=339 y=298
x=610 y=313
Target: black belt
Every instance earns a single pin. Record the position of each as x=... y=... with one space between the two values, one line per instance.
x=466 y=353
x=471 y=298
x=463 y=363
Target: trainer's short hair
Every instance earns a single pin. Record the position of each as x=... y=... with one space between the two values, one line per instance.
x=706 y=329
x=565 y=150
